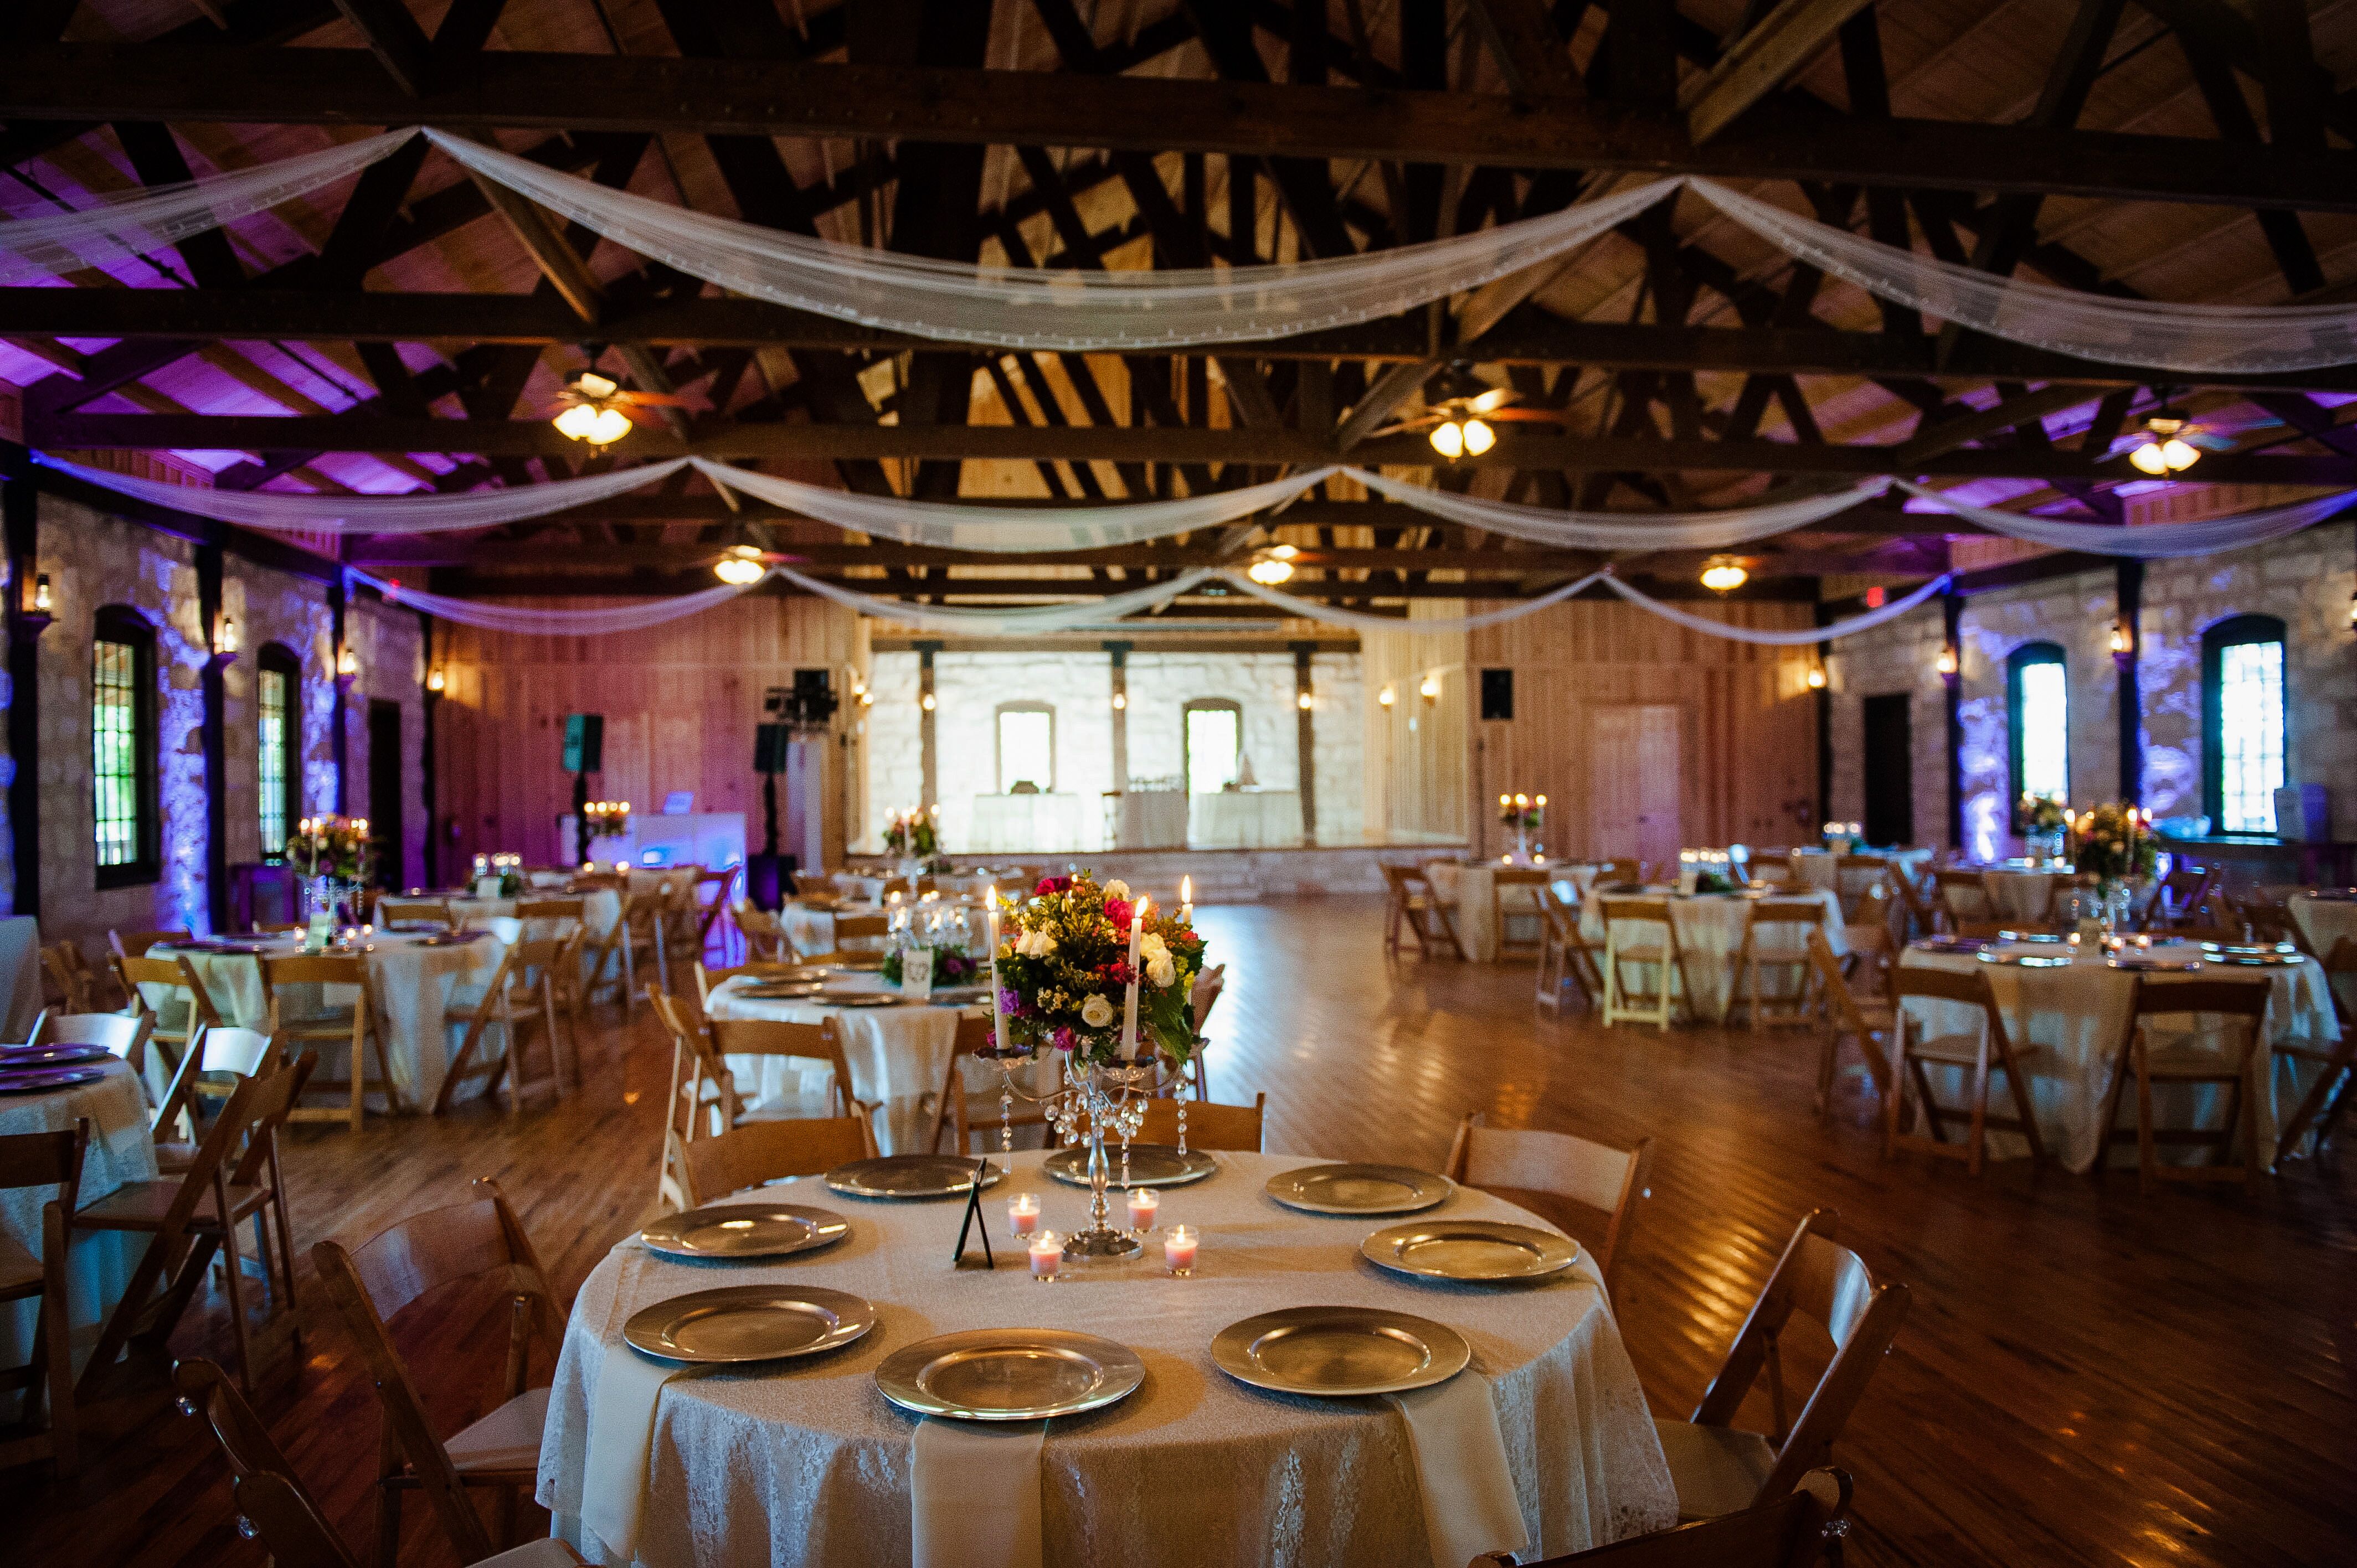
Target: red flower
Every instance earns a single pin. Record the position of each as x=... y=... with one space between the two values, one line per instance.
x=1120 y=912
x=1051 y=884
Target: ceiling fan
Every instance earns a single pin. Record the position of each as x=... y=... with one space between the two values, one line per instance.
x=2172 y=442
x=1461 y=412
x=595 y=408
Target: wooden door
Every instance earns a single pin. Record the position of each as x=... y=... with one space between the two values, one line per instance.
x=1889 y=757
x=1634 y=784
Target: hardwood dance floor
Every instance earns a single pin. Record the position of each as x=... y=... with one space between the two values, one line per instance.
x=2086 y=1377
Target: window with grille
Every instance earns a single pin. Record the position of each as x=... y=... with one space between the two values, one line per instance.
x=1215 y=744
x=1027 y=747
x=278 y=699
x=122 y=747
x=2242 y=696
x=2038 y=702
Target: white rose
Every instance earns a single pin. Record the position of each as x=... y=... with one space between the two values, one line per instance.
x=1116 y=888
x=1096 y=1012
x=1036 y=944
x=1163 y=971
x=1150 y=946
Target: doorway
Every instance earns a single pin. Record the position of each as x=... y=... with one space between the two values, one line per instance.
x=1634 y=781
x=1889 y=759
x=384 y=792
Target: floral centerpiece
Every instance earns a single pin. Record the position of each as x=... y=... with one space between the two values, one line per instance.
x=1064 y=972
x=951 y=966
x=2045 y=820
x=914 y=835
x=334 y=857
x=2115 y=841
x=606 y=819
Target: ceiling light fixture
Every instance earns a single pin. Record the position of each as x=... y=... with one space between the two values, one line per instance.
x=1724 y=574
x=2164 y=450
x=741 y=567
x=593 y=411
x=1448 y=439
x=1269 y=571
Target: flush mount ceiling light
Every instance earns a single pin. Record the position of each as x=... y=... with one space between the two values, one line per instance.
x=1724 y=574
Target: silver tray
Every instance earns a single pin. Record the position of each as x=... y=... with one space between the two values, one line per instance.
x=747 y=1323
x=2255 y=959
x=1359 y=1189
x=744 y=1231
x=909 y=1176
x=2025 y=960
x=1340 y=1350
x=1150 y=1165
x=1482 y=1249
x=1009 y=1374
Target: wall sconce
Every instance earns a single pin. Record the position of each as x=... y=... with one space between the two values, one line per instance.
x=434 y=682
x=1389 y=695
x=34 y=608
x=224 y=641
x=347 y=665
x=1430 y=689
x=42 y=604
x=1947 y=663
x=1119 y=700
x=926 y=702
x=1303 y=701
x=2123 y=644
x=1816 y=677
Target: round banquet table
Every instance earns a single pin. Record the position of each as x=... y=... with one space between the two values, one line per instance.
x=1470 y=891
x=420 y=1005
x=899 y=1058
x=805 y=1462
x=2023 y=894
x=2324 y=919
x=600 y=908
x=811 y=928
x=98 y=1263
x=2074 y=1019
x=1710 y=935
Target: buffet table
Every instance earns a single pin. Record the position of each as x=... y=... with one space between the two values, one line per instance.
x=1030 y=824
x=1151 y=819
x=806 y=1462
x=1244 y=819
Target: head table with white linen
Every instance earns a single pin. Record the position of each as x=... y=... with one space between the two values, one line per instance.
x=2068 y=1025
x=98 y=1263
x=804 y=1462
x=421 y=986
x=899 y=1058
x=1710 y=928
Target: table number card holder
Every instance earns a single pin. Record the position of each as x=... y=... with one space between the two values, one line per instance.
x=973 y=1223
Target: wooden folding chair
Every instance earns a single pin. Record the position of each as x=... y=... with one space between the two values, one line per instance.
x=43 y=1159
x=2237 y=1005
x=350 y=1034
x=272 y=1505
x=1209 y=1125
x=1201 y=997
x=1623 y=946
x=1411 y=901
x=522 y=992
x=1803 y=1530
x=236 y=1166
x=611 y=949
x=966 y=1110
x=183 y=1007
x=1922 y=913
x=1514 y=1162
x=1515 y=894
x=708 y=915
x=1720 y=1470
x=1787 y=923
x=2328 y=1098
x=1852 y=874
x=407 y=912
x=371 y=1284
x=223 y=1057
x=849 y=929
x=1963 y=895
x=820 y=1042
x=550 y=917
x=1567 y=957
x=815 y=885
x=701 y=1102
x=134 y=944
x=76 y=982
x=2183 y=892
x=1871 y=1024
x=765 y=937
x=761 y=1152
x=1979 y=1052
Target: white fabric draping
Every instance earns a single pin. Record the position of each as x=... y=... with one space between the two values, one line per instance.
x=1072 y=310
x=2150 y=542
x=1334 y=614
x=1027 y=622
x=950 y=525
x=531 y=621
x=1621 y=529
x=428 y=512
x=1771 y=639
x=124 y=224
x=2194 y=337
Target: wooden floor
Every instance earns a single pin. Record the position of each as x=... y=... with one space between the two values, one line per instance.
x=2087 y=1377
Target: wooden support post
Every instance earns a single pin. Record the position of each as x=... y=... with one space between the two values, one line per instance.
x=1117 y=653
x=2131 y=693
x=340 y=631
x=429 y=705
x=212 y=685
x=1952 y=613
x=20 y=513
x=1823 y=693
x=1305 y=704
x=925 y=729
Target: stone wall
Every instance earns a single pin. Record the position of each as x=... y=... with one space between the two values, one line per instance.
x=2306 y=580
x=390 y=646
x=272 y=606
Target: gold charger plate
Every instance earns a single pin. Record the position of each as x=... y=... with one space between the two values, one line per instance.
x=780 y=990
x=744 y=1231
x=1479 y=1250
x=863 y=962
x=1009 y=1374
x=1150 y=1165
x=830 y=997
x=2025 y=960
x=2154 y=965
x=1359 y=1189
x=738 y=1324
x=909 y=1176
x=1337 y=1351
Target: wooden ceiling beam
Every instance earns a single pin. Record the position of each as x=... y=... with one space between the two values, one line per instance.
x=1777 y=140
x=538 y=584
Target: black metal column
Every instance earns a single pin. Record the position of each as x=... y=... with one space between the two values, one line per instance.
x=2131 y=695
x=342 y=742
x=1952 y=613
x=429 y=705
x=19 y=520
x=213 y=686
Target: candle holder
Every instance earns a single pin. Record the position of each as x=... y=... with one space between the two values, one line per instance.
x=1179 y=1245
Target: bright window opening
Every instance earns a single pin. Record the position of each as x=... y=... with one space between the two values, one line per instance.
x=1027 y=749
x=114 y=740
x=2250 y=735
x=1213 y=741
x=2045 y=701
x=276 y=685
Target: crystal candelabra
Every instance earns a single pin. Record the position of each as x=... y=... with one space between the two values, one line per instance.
x=1101 y=1100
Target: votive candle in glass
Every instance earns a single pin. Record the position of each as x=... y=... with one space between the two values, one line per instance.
x=1047 y=1256
x=1145 y=1204
x=1023 y=1214
x=1179 y=1245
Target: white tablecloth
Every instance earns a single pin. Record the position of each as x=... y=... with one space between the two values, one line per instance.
x=99 y=1262
x=2075 y=1018
x=812 y=929
x=807 y=1464
x=1710 y=936
x=1473 y=891
x=1033 y=824
x=1819 y=869
x=1244 y=819
x=2324 y=922
x=412 y=984
x=600 y=908
x=1151 y=819
x=898 y=1056
x=20 y=975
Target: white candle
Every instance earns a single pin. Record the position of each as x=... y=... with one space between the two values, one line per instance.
x=1023 y=1214
x=1179 y=1245
x=1143 y=1204
x=1129 y=1002
x=998 y=1015
x=1047 y=1256
x=1186 y=900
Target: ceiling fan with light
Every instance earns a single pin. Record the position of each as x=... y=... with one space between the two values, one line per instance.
x=2171 y=442
x=1461 y=412
x=595 y=408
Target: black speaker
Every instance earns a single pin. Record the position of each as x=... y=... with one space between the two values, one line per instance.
x=585 y=743
x=770 y=747
x=1497 y=693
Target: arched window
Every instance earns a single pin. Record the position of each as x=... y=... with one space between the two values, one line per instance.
x=123 y=746
x=2242 y=723
x=1216 y=743
x=1026 y=749
x=2038 y=710
x=278 y=701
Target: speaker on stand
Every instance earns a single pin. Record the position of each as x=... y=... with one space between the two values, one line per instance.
x=805 y=709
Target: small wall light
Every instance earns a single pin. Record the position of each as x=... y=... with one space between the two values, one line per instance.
x=1389 y=695
x=2123 y=643
x=224 y=640
x=1119 y=700
x=926 y=702
x=1430 y=689
x=43 y=603
x=1816 y=677
x=1947 y=663
x=434 y=682
x=1303 y=701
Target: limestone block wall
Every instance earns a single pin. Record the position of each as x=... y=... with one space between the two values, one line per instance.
x=390 y=645
x=272 y=606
